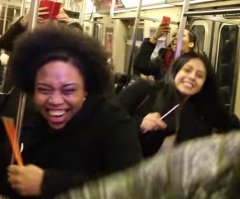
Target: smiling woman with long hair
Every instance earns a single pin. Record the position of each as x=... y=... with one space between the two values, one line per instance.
x=190 y=84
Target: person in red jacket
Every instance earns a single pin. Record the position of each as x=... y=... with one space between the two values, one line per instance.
x=158 y=66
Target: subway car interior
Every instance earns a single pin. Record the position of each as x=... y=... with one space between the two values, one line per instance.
x=122 y=25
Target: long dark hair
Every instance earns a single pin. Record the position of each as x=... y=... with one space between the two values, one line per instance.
x=193 y=38
x=206 y=100
x=210 y=87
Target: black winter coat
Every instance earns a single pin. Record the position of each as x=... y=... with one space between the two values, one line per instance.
x=7 y=39
x=100 y=139
x=9 y=106
x=147 y=66
x=142 y=98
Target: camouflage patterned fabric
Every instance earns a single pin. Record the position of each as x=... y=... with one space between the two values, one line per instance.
x=207 y=168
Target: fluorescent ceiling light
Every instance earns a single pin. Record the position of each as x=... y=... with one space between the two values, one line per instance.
x=200 y=1
x=135 y=3
x=144 y=8
x=178 y=2
x=157 y=6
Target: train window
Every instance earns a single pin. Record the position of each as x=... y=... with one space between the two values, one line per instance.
x=139 y=34
x=139 y=38
x=226 y=59
x=200 y=28
x=109 y=39
x=227 y=46
x=98 y=28
x=199 y=31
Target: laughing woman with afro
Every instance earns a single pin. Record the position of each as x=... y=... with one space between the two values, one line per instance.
x=77 y=134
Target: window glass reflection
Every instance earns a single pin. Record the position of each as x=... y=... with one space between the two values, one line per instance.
x=226 y=60
x=200 y=32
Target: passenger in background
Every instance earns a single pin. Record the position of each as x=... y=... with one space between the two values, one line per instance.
x=3 y=63
x=158 y=66
x=77 y=134
x=9 y=107
x=20 y=26
x=76 y=26
x=190 y=83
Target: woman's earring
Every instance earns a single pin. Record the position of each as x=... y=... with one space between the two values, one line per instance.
x=84 y=99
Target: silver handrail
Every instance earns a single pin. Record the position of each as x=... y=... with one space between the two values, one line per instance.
x=134 y=37
x=182 y=25
x=236 y=77
x=82 y=12
x=212 y=12
x=5 y=17
x=33 y=15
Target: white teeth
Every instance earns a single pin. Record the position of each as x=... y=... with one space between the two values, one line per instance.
x=188 y=84
x=56 y=113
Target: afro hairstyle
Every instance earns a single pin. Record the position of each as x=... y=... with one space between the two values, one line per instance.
x=52 y=42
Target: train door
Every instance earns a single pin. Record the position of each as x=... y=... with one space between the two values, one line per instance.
x=200 y=28
x=225 y=62
x=139 y=39
x=98 y=31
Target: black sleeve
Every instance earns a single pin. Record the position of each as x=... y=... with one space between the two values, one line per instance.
x=222 y=119
x=120 y=147
x=5 y=159
x=231 y=122
x=143 y=62
x=6 y=41
x=133 y=95
x=56 y=182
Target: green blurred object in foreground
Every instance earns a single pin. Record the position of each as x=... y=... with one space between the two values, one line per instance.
x=207 y=168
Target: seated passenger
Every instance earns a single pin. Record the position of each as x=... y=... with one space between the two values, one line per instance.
x=205 y=168
x=158 y=66
x=76 y=134
x=190 y=83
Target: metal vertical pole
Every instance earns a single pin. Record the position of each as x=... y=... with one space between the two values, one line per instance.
x=183 y=21
x=33 y=15
x=82 y=11
x=69 y=4
x=5 y=18
x=65 y=4
x=235 y=76
x=112 y=8
x=134 y=37
x=22 y=10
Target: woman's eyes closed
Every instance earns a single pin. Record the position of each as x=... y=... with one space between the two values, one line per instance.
x=68 y=91
x=187 y=70
x=65 y=91
x=200 y=76
x=43 y=90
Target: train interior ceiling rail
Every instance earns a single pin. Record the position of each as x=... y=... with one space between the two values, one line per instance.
x=215 y=23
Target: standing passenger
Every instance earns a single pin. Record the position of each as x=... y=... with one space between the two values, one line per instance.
x=158 y=66
x=77 y=134
x=190 y=82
